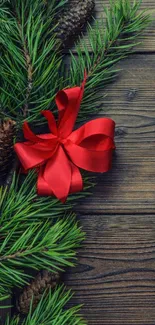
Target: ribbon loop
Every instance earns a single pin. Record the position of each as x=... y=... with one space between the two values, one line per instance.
x=51 y=121
x=28 y=134
x=60 y=153
x=68 y=104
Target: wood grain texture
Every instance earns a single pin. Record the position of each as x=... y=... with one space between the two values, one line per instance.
x=130 y=186
x=115 y=276
x=148 y=39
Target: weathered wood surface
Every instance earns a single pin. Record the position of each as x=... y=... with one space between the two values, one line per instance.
x=115 y=276
x=130 y=186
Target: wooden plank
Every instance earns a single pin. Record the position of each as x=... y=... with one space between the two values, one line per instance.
x=148 y=39
x=130 y=101
x=115 y=276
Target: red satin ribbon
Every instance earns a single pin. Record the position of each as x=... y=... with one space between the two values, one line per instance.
x=60 y=153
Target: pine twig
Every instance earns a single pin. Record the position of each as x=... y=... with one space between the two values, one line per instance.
x=51 y=310
x=29 y=72
x=42 y=246
x=110 y=41
x=30 y=60
x=22 y=240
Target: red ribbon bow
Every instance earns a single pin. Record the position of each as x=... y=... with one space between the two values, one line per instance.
x=62 y=152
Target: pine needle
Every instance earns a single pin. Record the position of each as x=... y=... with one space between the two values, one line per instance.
x=109 y=41
x=43 y=245
x=31 y=65
x=31 y=233
x=51 y=310
x=30 y=58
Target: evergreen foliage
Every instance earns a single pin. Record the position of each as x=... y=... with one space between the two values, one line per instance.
x=109 y=41
x=51 y=310
x=30 y=57
x=32 y=234
x=43 y=245
x=31 y=63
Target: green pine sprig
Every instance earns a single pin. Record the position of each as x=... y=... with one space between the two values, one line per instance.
x=51 y=310
x=32 y=235
x=31 y=70
x=109 y=40
x=42 y=245
x=20 y=203
x=30 y=232
x=30 y=58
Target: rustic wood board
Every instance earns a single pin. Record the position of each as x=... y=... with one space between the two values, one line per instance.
x=115 y=276
x=130 y=186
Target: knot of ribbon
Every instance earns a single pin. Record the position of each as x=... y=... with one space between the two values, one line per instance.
x=58 y=155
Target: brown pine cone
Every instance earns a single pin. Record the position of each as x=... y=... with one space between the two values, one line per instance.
x=76 y=14
x=35 y=289
x=7 y=134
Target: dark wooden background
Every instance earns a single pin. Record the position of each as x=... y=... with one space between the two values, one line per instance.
x=115 y=276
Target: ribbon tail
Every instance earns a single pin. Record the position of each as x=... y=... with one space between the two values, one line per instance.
x=55 y=178
x=76 y=181
x=43 y=188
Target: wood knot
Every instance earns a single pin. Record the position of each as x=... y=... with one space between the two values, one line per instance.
x=131 y=94
x=120 y=132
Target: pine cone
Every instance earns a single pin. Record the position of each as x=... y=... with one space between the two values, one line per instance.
x=73 y=19
x=35 y=289
x=7 y=133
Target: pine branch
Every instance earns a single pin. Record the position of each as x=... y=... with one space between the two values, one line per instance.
x=107 y=46
x=29 y=71
x=29 y=60
x=109 y=41
x=20 y=203
x=32 y=72
x=31 y=233
x=51 y=310
x=27 y=233
x=43 y=245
